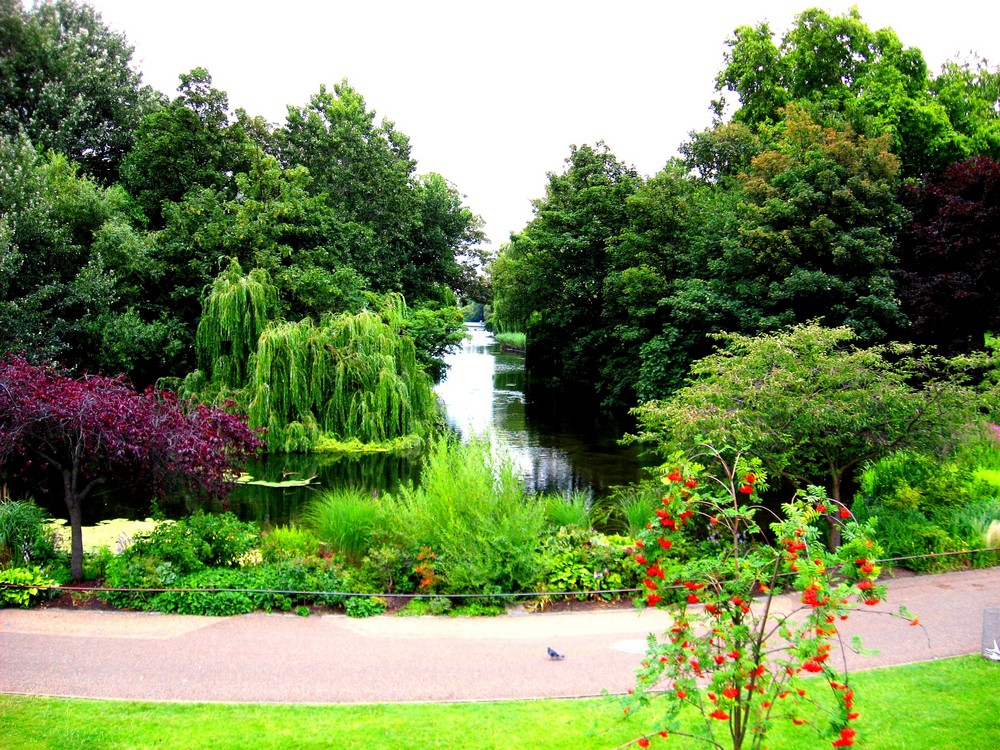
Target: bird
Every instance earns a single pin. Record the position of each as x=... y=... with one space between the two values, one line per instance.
x=553 y=654
x=990 y=653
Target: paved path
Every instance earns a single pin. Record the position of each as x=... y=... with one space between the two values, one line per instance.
x=288 y=659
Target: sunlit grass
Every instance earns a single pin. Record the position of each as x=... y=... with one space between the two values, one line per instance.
x=952 y=704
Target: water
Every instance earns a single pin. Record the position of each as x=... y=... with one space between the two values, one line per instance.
x=559 y=447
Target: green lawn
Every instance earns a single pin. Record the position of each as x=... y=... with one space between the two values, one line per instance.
x=952 y=704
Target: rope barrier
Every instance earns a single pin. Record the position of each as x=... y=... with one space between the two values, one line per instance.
x=387 y=595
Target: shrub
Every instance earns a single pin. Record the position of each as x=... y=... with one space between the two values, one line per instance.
x=572 y=509
x=364 y=606
x=24 y=536
x=578 y=560
x=288 y=543
x=472 y=511
x=199 y=541
x=27 y=586
x=346 y=521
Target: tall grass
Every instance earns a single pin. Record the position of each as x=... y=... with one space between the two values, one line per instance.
x=571 y=509
x=472 y=511
x=22 y=526
x=346 y=521
x=513 y=339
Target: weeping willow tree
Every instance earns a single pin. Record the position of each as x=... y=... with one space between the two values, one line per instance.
x=352 y=377
x=236 y=311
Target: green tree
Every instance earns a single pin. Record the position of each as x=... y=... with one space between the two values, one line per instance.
x=839 y=65
x=814 y=407
x=184 y=145
x=73 y=274
x=817 y=230
x=67 y=83
x=549 y=280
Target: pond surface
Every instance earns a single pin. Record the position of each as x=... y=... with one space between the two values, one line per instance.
x=559 y=447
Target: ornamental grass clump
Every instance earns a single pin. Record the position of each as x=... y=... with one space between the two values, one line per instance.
x=346 y=521
x=732 y=655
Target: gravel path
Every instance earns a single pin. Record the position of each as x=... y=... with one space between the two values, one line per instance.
x=288 y=659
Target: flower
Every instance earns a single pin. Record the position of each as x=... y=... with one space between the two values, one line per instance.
x=652 y=599
x=746 y=489
x=642 y=742
x=691 y=482
x=693 y=599
x=730 y=692
x=844 y=512
x=719 y=714
x=665 y=543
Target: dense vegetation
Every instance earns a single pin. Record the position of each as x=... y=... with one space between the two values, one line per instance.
x=125 y=215
x=841 y=180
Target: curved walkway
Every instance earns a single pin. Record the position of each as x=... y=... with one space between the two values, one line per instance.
x=288 y=659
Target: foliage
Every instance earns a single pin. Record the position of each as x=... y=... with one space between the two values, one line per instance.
x=352 y=376
x=923 y=505
x=569 y=509
x=74 y=434
x=364 y=606
x=67 y=83
x=948 y=277
x=24 y=537
x=22 y=587
x=346 y=521
x=291 y=542
x=581 y=560
x=549 y=280
x=800 y=399
x=840 y=65
x=733 y=658
x=470 y=508
x=512 y=339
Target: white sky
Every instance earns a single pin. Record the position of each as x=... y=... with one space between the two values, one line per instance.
x=492 y=94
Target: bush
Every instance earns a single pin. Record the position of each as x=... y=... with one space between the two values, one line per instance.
x=28 y=586
x=472 y=511
x=346 y=521
x=364 y=606
x=202 y=540
x=569 y=510
x=579 y=560
x=288 y=543
x=25 y=538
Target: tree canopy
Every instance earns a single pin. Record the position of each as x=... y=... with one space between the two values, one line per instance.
x=68 y=435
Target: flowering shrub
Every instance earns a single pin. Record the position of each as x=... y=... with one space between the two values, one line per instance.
x=732 y=654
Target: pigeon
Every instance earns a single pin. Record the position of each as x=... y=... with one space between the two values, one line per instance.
x=553 y=654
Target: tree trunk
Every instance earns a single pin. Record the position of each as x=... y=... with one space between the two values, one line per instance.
x=73 y=505
x=833 y=515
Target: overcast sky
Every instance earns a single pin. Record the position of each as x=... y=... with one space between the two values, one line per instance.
x=493 y=94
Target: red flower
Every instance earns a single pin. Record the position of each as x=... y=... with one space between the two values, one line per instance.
x=844 y=512
x=746 y=489
x=640 y=559
x=652 y=599
x=665 y=543
x=693 y=599
x=681 y=694
x=871 y=602
x=719 y=714
x=674 y=476
x=642 y=742
x=691 y=586
x=730 y=692
x=866 y=584
x=749 y=478
x=691 y=483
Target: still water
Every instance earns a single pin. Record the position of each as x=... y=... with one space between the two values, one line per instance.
x=559 y=447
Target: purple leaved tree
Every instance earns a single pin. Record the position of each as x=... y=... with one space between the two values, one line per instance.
x=81 y=432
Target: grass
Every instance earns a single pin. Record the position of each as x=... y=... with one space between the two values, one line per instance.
x=951 y=704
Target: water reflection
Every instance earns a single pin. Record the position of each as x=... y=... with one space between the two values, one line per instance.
x=559 y=448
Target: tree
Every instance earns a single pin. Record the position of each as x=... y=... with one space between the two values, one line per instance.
x=77 y=433
x=184 y=145
x=840 y=66
x=730 y=653
x=817 y=230
x=549 y=280
x=75 y=276
x=66 y=82
x=813 y=407
x=949 y=267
